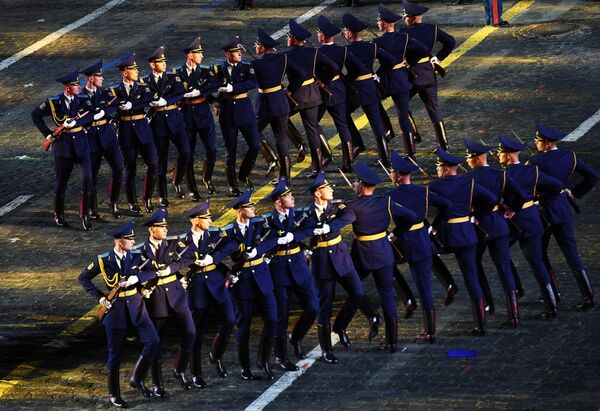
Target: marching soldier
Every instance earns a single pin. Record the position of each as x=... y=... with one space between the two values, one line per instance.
x=509 y=199
x=331 y=260
x=425 y=83
x=561 y=164
x=454 y=228
x=236 y=113
x=70 y=147
x=135 y=134
x=290 y=273
x=102 y=138
x=125 y=268
x=207 y=247
x=167 y=298
x=533 y=183
x=167 y=123
x=199 y=82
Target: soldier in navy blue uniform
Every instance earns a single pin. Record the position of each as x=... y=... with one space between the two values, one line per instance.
x=561 y=164
x=533 y=183
x=361 y=90
x=102 y=138
x=236 y=79
x=252 y=283
x=70 y=147
x=207 y=247
x=125 y=268
x=167 y=299
x=414 y=243
x=397 y=81
x=509 y=200
x=425 y=84
x=135 y=134
x=331 y=260
x=290 y=273
x=454 y=228
x=198 y=82
x=305 y=91
x=371 y=248
x=167 y=122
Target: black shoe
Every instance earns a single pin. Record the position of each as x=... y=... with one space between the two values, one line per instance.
x=118 y=402
x=329 y=357
x=114 y=210
x=312 y=174
x=586 y=305
x=357 y=150
x=210 y=187
x=427 y=338
x=86 y=224
x=59 y=220
x=163 y=202
x=374 y=327
x=180 y=377
x=273 y=165
x=94 y=215
x=298 y=350
x=221 y=370
x=248 y=184
x=344 y=339
x=148 y=205
x=503 y=23
x=286 y=365
x=450 y=291
x=477 y=332
x=140 y=387
x=234 y=192
x=247 y=375
x=158 y=391
x=409 y=309
x=178 y=192
x=301 y=154
x=266 y=367
x=135 y=209
x=198 y=382
x=195 y=196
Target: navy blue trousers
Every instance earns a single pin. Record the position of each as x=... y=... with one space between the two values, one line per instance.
x=307 y=298
x=421 y=274
x=116 y=337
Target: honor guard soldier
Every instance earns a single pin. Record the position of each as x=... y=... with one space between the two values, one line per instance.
x=102 y=138
x=414 y=243
x=123 y=268
x=236 y=113
x=425 y=83
x=331 y=260
x=305 y=90
x=371 y=248
x=533 y=183
x=252 y=284
x=509 y=200
x=397 y=81
x=272 y=105
x=199 y=81
x=70 y=146
x=454 y=228
x=135 y=134
x=561 y=164
x=207 y=247
x=362 y=84
x=168 y=299
x=290 y=273
x=167 y=123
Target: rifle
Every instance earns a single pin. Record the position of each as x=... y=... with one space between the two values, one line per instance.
x=522 y=142
x=193 y=268
x=151 y=284
x=425 y=173
x=346 y=179
x=384 y=169
x=54 y=136
x=438 y=68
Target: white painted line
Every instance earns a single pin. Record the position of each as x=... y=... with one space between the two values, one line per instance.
x=57 y=34
x=14 y=204
x=583 y=128
x=288 y=378
x=315 y=10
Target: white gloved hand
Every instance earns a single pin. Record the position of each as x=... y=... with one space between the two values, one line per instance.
x=233 y=278
x=318 y=231
x=193 y=93
x=208 y=260
x=131 y=280
x=376 y=77
x=126 y=106
x=251 y=254
x=164 y=272
x=104 y=302
x=434 y=60
x=146 y=293
x=391 y=237
x=161 y=102
x=286 y=239
x=326 y=229
x=70 y=123
x=184 y=283
x=227 y=89
x=49 y=137
x=99 y=115
x=568 y=192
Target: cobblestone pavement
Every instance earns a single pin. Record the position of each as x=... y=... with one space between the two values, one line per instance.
x=53 y=356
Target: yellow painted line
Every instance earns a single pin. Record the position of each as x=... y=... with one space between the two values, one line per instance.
x=21 y=372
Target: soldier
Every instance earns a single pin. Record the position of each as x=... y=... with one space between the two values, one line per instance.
x=252 y=284
x=454 y=228
x=425 y=68
x=397 y=81
x=561 y=164
x=331 y=260
x=125 y=268
x=167 y=297
x=207 y=288
x=305 y=91
x=362 y=84
x=371 y=249
x=167 y=123
x=493 y=13
x=102 y=138
x=414 y=244
x=290 y=273
x=199 y=82
x=135 y=134
x=509 y=200
x=236 y=113
x=533 y=183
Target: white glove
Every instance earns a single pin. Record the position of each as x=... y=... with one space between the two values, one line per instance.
x=326 y=229
x=286 y=239
x=49 y=137
x=307 y=253
x=376 y=77
x=146 y=293
x=434 y=60
x=568 y=192
x=126 y=106
x=318 y=231
x=70 y=124
x=193 y=93
x=251 y=254
x=131 y=280
x=391 y=237
x=227 y=89
x=208 y=260
x=233 y=278
x=103 y=301
x=184 y=283
x=161 y=102
x=164 y=272
x=99 y=115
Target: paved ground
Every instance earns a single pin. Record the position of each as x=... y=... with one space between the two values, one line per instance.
x=52 y=356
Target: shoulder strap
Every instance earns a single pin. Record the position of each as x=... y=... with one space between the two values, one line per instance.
x=574 y=163
x=374 y=55
x=390 y=207
x=426 y=199
x=315 y=63
x=537 y=176
x=471 y=195
x=285 y=58
x=503 y=183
